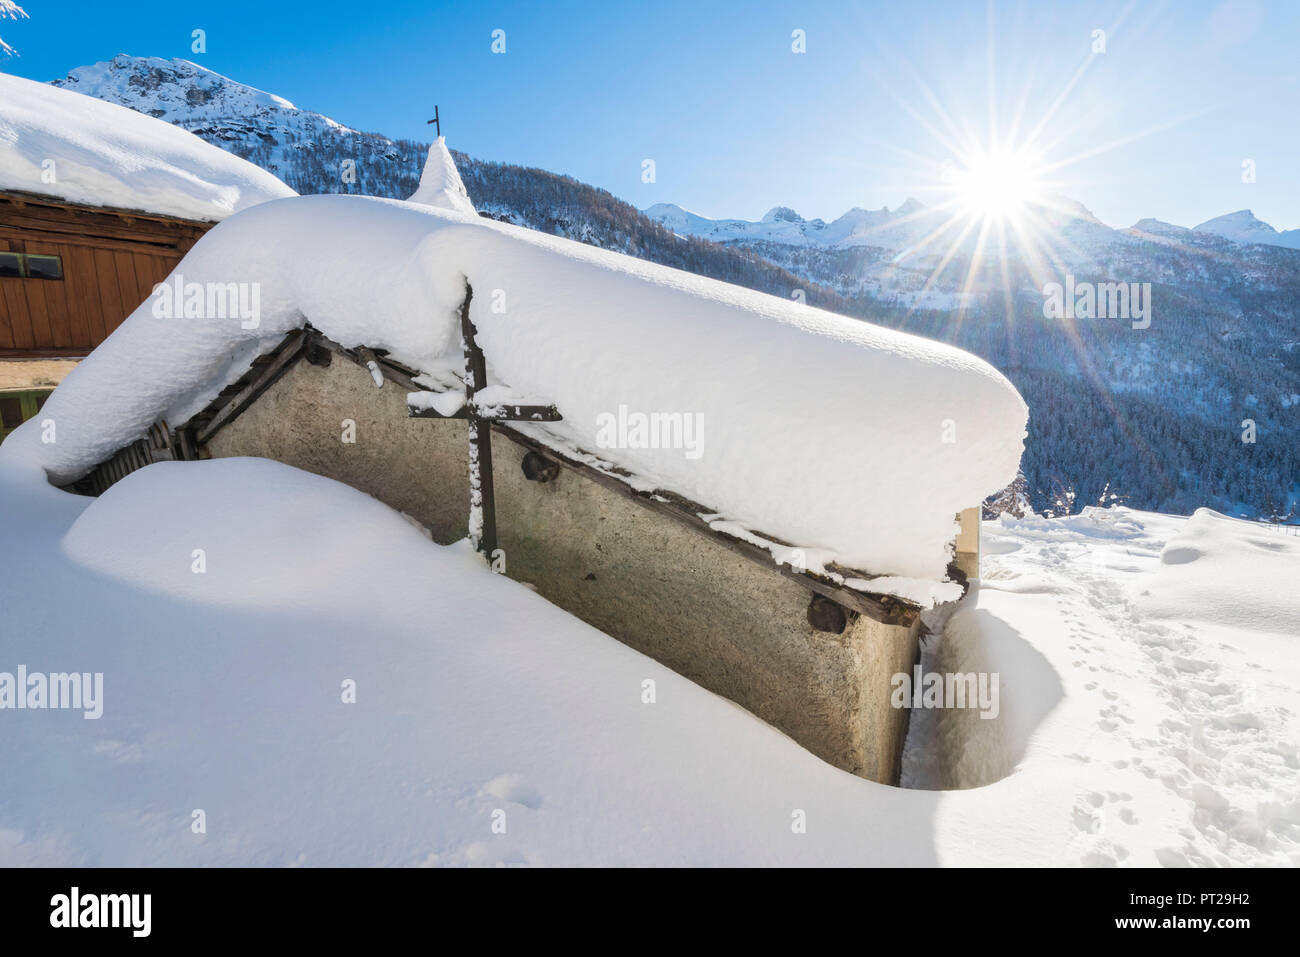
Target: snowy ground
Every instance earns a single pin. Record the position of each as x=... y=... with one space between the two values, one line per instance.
x=1147 y=707
x=1150 y=674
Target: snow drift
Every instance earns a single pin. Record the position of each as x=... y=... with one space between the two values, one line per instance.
x=86 y=151
x=820 y=430
x=1215 y=554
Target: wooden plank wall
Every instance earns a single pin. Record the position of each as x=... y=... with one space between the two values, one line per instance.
x=111 y=262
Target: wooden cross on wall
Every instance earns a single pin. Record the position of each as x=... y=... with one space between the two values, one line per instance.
x=437 y=125
x=482 y=498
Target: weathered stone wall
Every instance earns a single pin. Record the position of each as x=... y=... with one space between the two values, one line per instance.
x=417 y=466
x=681 y=597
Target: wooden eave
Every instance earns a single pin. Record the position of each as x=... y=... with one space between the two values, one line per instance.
x=47 y=219
x=21 y=198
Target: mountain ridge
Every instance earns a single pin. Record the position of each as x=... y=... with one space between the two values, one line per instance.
x=1241 y=226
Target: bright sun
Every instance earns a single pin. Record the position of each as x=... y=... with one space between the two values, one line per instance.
x=997 y=185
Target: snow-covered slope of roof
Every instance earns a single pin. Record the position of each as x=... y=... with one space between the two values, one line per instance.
x=856 y=442
x=83 y=150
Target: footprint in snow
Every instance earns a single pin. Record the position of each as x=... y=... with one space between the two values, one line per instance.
x=512 y=788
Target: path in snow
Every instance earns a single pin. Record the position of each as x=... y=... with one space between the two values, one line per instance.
x=1184 y=725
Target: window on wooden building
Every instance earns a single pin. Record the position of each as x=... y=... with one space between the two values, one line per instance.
x=44 y=267
x=30 y=266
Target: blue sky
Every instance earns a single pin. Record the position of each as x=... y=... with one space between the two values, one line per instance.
x=736 y=122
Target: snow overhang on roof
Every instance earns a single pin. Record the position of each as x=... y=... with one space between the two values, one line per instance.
x=81 y=150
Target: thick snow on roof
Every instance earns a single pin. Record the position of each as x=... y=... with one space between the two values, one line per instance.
x=855 y=442
x=83 y=150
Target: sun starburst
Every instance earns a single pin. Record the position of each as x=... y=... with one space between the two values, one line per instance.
x=997 y=184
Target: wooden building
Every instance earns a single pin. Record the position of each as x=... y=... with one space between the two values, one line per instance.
x=69 y=274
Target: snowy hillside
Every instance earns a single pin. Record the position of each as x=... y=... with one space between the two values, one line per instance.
x=80 y=149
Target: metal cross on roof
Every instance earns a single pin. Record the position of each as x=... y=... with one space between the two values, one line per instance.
x=435 y=122
x=482 y=500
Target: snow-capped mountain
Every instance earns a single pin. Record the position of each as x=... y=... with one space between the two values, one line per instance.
x=174 y=90
x=903 y=228
x=1243 y=227
x=913 y=256
x=1158 y=229
x=1156 y=412
x=858 y=227
x=309 y=151
x=898 y=229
